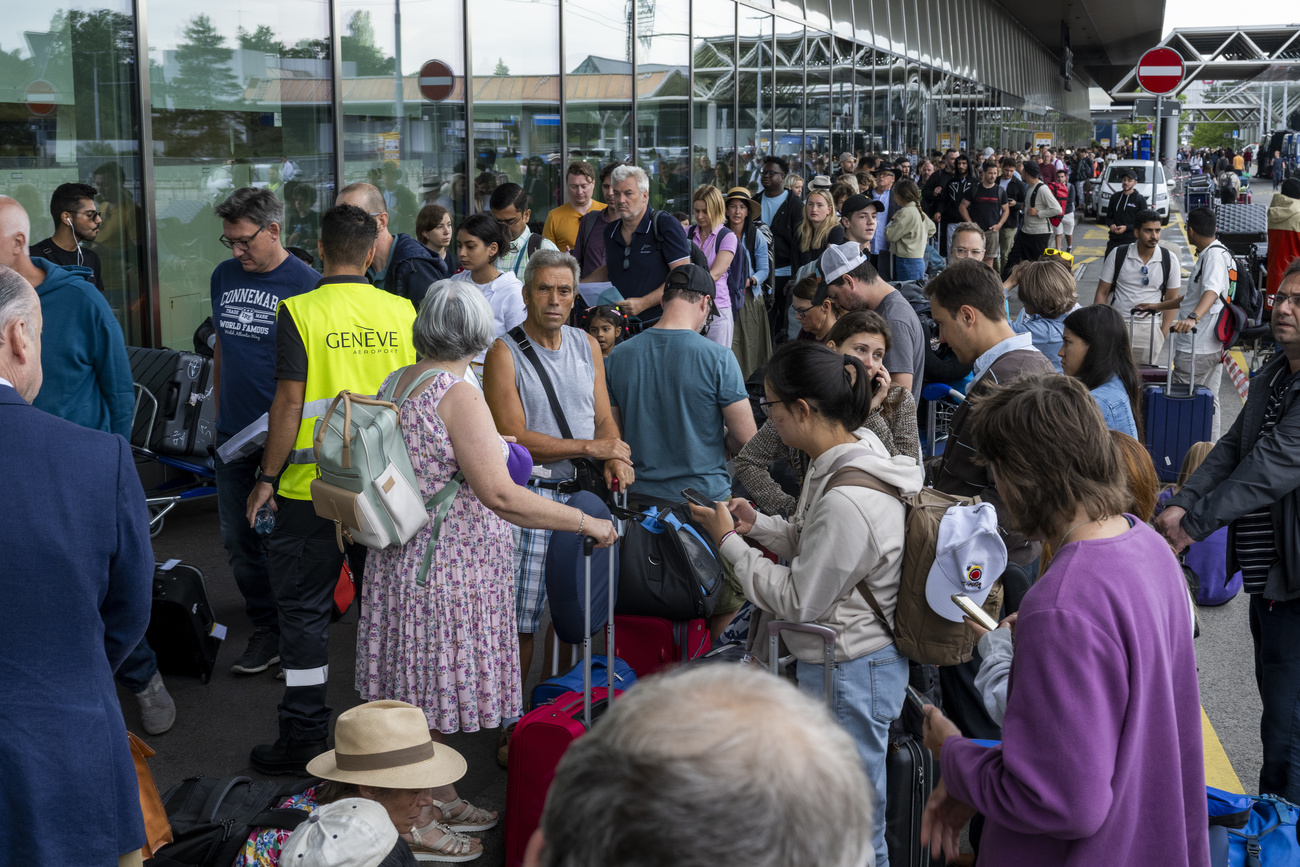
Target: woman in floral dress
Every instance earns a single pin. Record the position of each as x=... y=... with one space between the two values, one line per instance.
x=446 y=641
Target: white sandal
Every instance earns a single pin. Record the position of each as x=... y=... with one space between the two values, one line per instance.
x=452 y=847
x=468 y=817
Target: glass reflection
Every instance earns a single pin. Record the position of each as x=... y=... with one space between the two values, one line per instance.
x=754 y=92
x=239 y=99
x=715 y=94
x=663 y=101
x=789 y=108
x=818 y=85
x=598 y=84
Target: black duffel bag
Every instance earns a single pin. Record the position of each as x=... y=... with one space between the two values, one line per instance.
x=668 y=567
x=212 y=818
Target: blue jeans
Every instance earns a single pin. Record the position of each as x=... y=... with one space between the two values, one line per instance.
x=244 y=548
x=908 y=269
x=1275 y=628
x=868 y=696
x=138 y=668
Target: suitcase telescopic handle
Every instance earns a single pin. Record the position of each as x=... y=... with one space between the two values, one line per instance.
x=1191 y=375
x=776 y=627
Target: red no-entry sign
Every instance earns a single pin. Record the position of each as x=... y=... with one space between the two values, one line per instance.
x=436 y=81
x=1160 y=71
x=40 y=98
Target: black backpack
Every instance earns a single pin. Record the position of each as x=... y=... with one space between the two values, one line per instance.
x=212 y=818
x=1246 y=293
x=697 y=255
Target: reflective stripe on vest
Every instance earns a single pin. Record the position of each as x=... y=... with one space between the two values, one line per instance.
x=355 y=335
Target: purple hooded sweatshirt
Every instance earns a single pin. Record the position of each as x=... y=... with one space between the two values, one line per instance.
x=1100 y=761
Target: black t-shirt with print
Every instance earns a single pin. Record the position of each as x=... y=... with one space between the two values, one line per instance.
x=985 y=204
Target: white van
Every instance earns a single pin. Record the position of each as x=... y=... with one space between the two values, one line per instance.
x=1156 y=193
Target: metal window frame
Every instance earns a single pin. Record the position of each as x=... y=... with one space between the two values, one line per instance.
x=152 y=323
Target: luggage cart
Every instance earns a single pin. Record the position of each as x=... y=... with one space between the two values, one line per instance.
x=197 y=478
x=941 y=401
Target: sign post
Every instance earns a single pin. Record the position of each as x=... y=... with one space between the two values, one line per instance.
x=1160 y=72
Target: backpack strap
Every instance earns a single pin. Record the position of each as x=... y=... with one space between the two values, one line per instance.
x=1166 y=262
x=843 y=476
x=441 y=505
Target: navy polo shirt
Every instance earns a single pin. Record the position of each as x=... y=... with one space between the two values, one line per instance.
x=646 y=267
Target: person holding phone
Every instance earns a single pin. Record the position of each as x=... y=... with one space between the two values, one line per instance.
x=1106 y=706
x=843 y=540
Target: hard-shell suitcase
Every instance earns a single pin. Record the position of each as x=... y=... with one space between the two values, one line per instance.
x=1176 y=418
x=543 y=735
x=649 y=644
x=1148 y=370
x=909 y=779
x=175 y=414
x=182 y=630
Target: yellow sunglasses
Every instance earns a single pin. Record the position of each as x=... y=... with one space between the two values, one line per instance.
x=1068 y=258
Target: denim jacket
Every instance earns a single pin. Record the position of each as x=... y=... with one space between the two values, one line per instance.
x=1115 y=408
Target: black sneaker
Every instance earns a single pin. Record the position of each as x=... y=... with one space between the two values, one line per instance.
x=263 y=651
x=285 y=757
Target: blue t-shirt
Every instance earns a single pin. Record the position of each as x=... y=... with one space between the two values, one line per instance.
x=671 y=386
x=640 y=268
x=243 y=312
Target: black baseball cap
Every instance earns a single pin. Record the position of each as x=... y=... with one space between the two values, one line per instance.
x=859 y=202
x=693 y=278
x=1127 y=173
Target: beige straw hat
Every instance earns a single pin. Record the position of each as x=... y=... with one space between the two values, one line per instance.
x=387 y=744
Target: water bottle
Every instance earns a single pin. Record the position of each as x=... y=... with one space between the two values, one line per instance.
x=264 y=521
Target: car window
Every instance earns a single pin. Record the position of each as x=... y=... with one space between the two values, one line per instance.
x=1139 y=172
x=1160 y=174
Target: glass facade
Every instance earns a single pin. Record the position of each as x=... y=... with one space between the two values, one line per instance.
x=443 y=100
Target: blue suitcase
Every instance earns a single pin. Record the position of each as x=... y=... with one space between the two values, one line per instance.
x=553 y=688
x=1176 y=418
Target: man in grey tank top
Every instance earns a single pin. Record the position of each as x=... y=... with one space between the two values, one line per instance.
x=513 y=385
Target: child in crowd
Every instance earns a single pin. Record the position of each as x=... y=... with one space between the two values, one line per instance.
x=607 y=324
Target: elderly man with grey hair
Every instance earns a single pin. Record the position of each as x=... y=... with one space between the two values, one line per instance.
x=402 y=265
x=246 y=290
x=545 y=385
x=713 y=765
x=77 y=569
x=641 y=246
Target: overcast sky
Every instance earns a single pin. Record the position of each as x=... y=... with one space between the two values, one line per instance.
x=1210 y=13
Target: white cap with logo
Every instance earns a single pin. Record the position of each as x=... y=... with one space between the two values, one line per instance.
x=969 y=557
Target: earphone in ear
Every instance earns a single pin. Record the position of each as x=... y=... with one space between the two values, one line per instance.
x=68 y=220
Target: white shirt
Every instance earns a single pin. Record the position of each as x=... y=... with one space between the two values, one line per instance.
x=985 y=361
x=1210 y=274
x=505 y=296
x=1127 y=289
x=4 y=381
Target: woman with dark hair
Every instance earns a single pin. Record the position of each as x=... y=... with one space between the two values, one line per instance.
x=433 y=229
x=847 y=535
x=752 y=342
x=1095 y=350
x=1106 y=707
x=480 y=242
x=812 y=308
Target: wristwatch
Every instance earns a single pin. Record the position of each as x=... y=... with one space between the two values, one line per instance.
x=1194 y=317
x=263 y=476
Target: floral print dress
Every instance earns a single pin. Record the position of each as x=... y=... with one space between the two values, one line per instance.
x=449 y=647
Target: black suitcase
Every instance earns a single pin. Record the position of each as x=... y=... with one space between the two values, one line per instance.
x=179 y=386
x=909 y=779
x=1241 y=225
x=182 y=631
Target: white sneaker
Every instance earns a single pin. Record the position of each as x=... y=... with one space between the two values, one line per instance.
x=157 y=710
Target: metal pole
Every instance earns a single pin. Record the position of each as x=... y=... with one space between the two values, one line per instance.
x=399 y=84
x=1155 y=145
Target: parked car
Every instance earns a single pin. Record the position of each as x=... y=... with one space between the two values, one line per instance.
x=1151 y=183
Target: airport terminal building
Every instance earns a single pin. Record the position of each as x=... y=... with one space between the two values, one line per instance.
x=166 y=106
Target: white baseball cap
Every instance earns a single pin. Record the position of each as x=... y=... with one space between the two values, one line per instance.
x=840 y=259
x=353 y=832
x=969 y=557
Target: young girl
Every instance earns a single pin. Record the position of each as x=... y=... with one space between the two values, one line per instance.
x=865 y=335
x=433 y=230
x=908 y=232
x=1207 y=558
x=481 y=241
x=606 y=323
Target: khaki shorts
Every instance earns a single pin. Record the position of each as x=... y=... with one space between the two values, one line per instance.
x=991 y=244
x=732 y=595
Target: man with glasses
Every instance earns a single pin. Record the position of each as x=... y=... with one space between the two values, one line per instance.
x=76 y=222
x=639 y=255
x=511 y=207
x=1250 y=483
x=246 y=290
x=401 y=265
x=781 y=212
x=1207 y=288
x=1132 y=275
x=968 y=243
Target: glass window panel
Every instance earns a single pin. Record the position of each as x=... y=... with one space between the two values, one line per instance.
x=864 y=25
x=914 y=107
x=789 y=112
x=240 y=98
x=880 y=13
x=517 y=101
x=846 y=135
x=598 y=81
x=947 y=30
x=663 y=100
x=924 y=51
x=864 y=94
x=793 y=8
x=84 y=129
x=842 y=17
x=754 y=94
x=714 y=105
x=934 y=19
x=818 y=12
x=819 y=103
x=897 y=78
x=898 y=26
x=913 y=29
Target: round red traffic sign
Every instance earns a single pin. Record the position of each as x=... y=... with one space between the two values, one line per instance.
x=436 y=81
x=38 y=97
x=1160 y=71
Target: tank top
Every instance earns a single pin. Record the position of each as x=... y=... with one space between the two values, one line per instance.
x=573 y=376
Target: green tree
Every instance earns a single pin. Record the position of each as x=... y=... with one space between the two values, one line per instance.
x=501 y=69
x=359 y=47
x=204 y=80
x=1213 y=135
x=261 y=39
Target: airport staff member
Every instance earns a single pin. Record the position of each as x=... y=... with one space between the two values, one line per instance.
x=345 y=333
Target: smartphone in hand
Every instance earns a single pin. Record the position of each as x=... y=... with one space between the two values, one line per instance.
x=915 y=698
x=974 y=612
x=693 y=495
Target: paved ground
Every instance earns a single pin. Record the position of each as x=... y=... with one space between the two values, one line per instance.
x=218 y=722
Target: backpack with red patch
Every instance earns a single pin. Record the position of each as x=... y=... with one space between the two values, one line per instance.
x=1062 y=193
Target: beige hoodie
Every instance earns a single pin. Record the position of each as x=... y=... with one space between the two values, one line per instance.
x=832 y=542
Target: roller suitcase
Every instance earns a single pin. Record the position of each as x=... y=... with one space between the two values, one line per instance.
x=571 y=681
x=909 y=779
x=543 y=735
x=174 y=415
x=182 y=630
x=1241 y=225
x=650 y=644
x=1176 y=418
x=1148 y=370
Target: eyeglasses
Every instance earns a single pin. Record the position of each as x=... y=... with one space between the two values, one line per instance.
x=764 y=403
x=1292 y=298
x=767 y=172
x=968 y=252
x=91 y=214
x=241 y=244
x=801 y=312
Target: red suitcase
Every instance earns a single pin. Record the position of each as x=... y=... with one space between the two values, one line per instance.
x=649 y=644
x=543 y=735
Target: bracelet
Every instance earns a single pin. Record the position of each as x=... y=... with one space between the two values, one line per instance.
x=581 y=522
x=723 y=540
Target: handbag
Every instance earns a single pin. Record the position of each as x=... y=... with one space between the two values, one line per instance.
x=157 y=830
x=587 y=474
x=667 y=567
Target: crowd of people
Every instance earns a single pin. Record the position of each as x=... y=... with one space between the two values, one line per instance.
x=777 y=340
